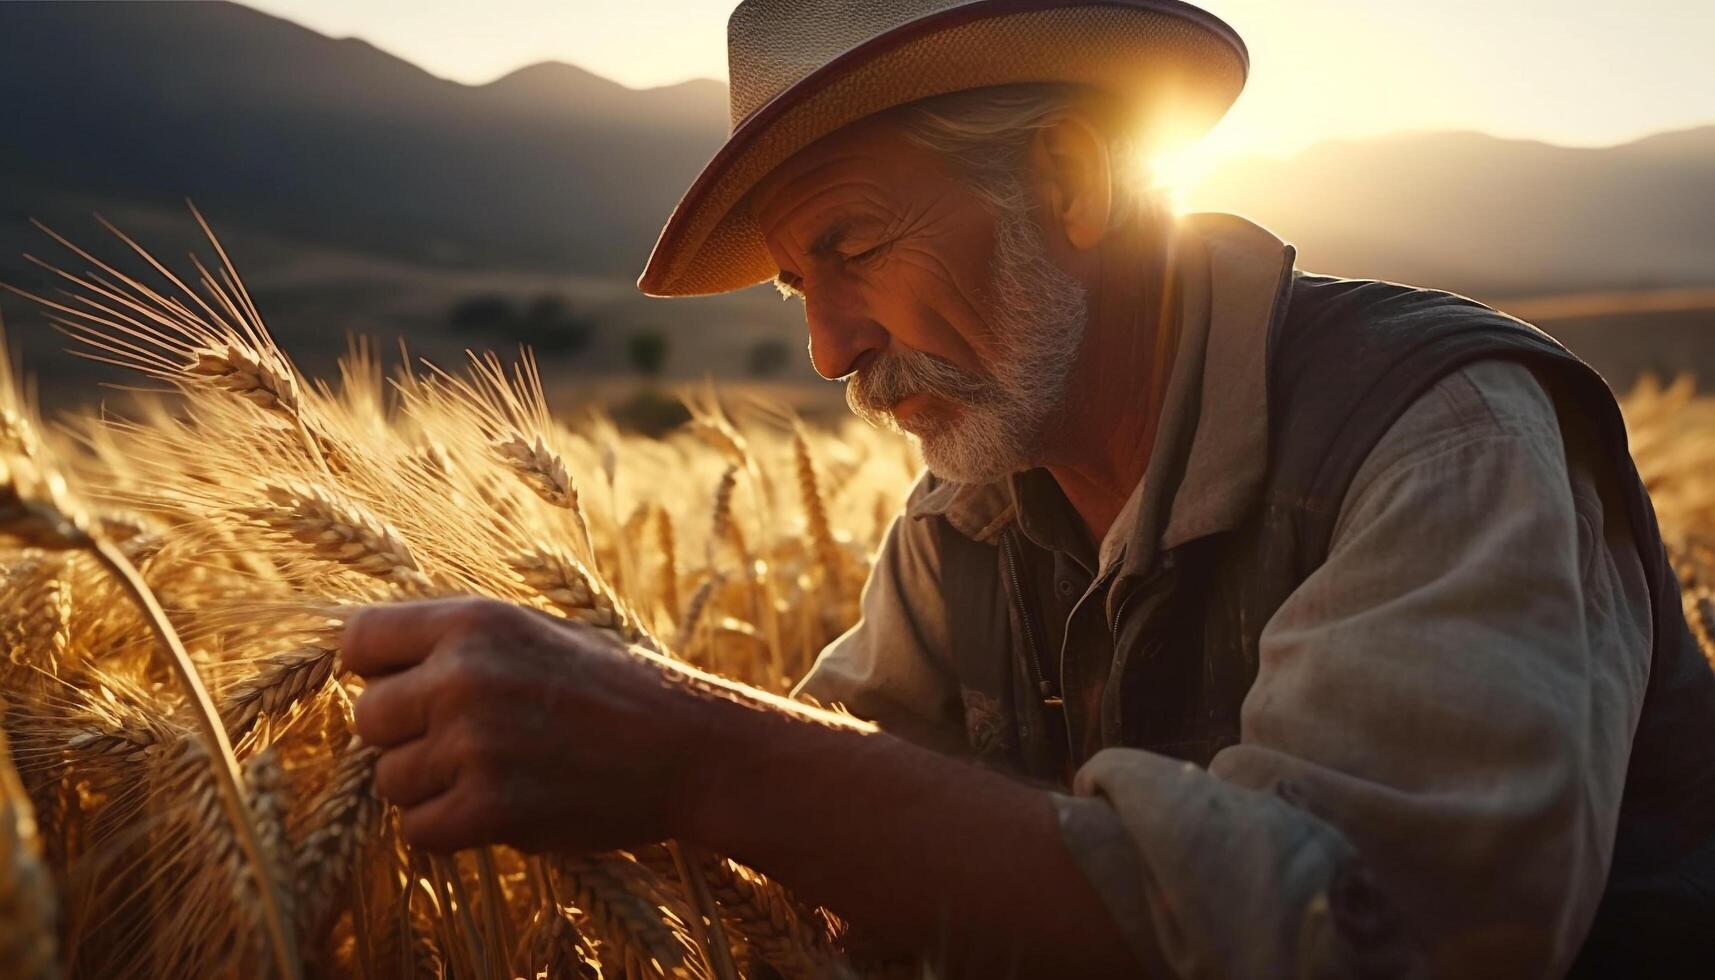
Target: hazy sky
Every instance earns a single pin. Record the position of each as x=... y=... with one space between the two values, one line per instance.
x=1581 y=72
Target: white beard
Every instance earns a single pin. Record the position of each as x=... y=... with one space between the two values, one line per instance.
x=1039 y=321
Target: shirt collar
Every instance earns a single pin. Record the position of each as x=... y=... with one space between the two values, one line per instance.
x=1211 y=454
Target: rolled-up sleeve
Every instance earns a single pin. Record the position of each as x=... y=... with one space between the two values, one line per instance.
x=1434 y=750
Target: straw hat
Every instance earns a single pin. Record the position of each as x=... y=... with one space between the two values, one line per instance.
x=802 y=69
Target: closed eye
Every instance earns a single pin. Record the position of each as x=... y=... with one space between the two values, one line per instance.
x=870 y=255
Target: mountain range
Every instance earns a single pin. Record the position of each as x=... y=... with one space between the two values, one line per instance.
x=363 y=192
x=1489 y=216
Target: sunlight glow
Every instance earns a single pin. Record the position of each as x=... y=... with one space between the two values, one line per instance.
x=1177 y=173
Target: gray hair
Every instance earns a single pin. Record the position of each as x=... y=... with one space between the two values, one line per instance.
x=987 y=134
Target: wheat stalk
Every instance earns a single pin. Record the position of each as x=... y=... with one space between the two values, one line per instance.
x=217 y=872
x=221 y=759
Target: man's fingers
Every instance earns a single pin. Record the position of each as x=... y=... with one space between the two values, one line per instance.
x=387 y=638
x=455 y=820
x=414 y=772
x=393 y=710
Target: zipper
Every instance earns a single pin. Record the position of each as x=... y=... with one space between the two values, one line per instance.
x=1044 y=687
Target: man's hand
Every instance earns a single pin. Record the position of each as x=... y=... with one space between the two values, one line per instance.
x=498 y=724
x=501 y=725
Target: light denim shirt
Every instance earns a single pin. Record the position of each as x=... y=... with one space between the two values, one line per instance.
x=1451 y=697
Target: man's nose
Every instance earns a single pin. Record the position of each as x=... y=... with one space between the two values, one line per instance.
x=841 y=334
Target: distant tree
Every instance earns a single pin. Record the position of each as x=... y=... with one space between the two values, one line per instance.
x=548 y=323
x=483 y=314
x=648 y=350
x=766 y=358
x=650 y=412
x=551 y=326
x=546 y=312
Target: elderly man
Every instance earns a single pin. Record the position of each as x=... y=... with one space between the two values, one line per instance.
x=1247 y=623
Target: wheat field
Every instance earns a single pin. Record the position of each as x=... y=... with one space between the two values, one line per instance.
x=183 y=795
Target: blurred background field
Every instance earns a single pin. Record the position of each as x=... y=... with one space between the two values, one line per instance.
x=361 y=194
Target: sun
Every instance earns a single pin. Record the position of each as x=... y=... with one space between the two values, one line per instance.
x=1176 y=174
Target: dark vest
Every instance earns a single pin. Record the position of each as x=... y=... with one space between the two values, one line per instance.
x=1346 y=359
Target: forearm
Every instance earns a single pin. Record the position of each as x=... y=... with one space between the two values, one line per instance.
x=918 y=851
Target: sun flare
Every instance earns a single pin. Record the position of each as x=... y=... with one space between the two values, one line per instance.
x=1176 y=174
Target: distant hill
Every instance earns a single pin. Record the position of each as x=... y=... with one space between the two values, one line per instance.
x=362 y=194
x=1490 y=216
x=337 y=142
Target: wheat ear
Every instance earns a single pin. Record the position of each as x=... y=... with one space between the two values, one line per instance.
x=575 y=591
x=828 y=553
x=769 y=920
x=544 y=472
x=34 y=512
x=553 y=945
x=718 y=434
x=120 y=745
x=667 y=545
x=37 y=602
x=341 y=819
x=339 y=530
x=283 y=680
x=687 y=633
x=28 y=949
x=617 y=914
x=1700 y=615
x=247 y=374
x=539 y=468
x=722 y=525
x=267 y=784
x=706 y=924
x=18 y=433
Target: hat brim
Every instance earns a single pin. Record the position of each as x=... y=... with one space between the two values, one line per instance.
x=1179 y=65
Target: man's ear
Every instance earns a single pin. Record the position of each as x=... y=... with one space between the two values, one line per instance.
x=1071 y=159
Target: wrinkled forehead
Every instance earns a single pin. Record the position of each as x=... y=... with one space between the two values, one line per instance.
x=874 y=152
